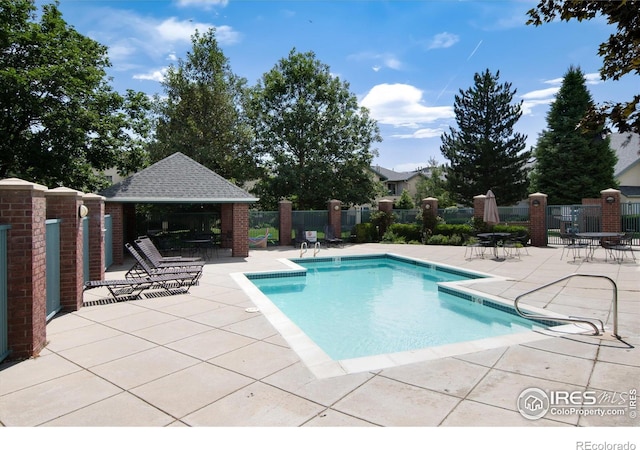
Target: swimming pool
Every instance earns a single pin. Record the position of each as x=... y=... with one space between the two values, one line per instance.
x=377 y=307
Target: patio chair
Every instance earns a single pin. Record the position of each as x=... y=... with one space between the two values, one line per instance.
x=330 y=238
x=570 y=242
x=143 y=268
x=300 y=237
x=151 y=252
x=476 y=246
x=618 y=248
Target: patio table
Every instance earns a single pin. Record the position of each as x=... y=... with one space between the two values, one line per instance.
x=495 y=238
x=595 y=239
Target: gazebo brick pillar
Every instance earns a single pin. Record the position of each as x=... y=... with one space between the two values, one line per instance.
x=95 y=205
x=538 y=219
x=226 y=224
x=478 y=206
x=335 y=216
x=285 y=208
x=611 y=213
x=240 y=245
x=23 y=206
x=64 y=203
x=116 y=212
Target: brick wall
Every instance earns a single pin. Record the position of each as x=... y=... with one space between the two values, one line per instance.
x=611 y=214
x=240 y=245
x=63 y=203
x=23 y=206
x=95 y=204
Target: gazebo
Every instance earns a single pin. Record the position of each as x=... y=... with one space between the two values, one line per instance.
x=178 y=179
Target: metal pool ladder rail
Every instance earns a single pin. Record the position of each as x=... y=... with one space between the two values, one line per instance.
x=587 y=321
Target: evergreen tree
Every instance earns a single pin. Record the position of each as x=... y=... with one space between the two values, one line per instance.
x=484 y=152
x=202 y=114
x=315 y=139
x=572 y=162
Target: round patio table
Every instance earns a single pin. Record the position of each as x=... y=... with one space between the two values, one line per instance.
x=595 y=239
x=494 y=238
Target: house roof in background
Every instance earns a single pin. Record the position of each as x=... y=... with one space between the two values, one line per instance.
x=627 y=148
x=392 y=175
x=176 y=179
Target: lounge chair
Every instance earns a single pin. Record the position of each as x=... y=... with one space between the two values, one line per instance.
x=190 y=274
x=132 y=288
x=149 y=250
x=330 y=238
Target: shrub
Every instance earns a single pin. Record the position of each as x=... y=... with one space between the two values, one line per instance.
x=408 y=231
x=365 y=232
x=438 y=239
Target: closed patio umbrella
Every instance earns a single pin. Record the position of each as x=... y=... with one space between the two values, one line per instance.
x=491 y=215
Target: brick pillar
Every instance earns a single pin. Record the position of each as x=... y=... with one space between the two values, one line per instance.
x=611 y=214
x=23 y=206
x=430 y=206
x=117 y=222
x=335 y=216
x=538 y=219
x=240 y=246
x=64 y=203
x=95 y=205
x=226 y=224
x=385 y=206
x=478 y=206
x=285 y=208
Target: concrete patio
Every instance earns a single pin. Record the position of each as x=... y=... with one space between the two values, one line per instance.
x=202 y=360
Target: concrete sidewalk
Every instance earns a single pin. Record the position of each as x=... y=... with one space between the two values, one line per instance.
x=201 y=359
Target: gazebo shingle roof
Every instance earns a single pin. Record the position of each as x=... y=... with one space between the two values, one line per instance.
x=176 y=179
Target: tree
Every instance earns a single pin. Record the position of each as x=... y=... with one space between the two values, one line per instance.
x=315 y=139
x=434 y=185
x=59 y=119
x=202 y=113
x=405 y=201
x=620 y=53
x=485 y=153
x=572 y=165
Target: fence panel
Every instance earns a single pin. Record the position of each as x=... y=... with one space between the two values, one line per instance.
x=309 y=220
x=576 y=218
x=4 y=325
x=513 y=213
x=85 y=249
x=406 y=215
x=630 y=213
x=261 y=221
x=456 y=215
x=53 y=266
x=108 y=241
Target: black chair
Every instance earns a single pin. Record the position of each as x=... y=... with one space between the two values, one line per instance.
x=330 y=237
x=570 y=242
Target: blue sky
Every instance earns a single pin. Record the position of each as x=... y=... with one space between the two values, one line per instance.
x=404 y=60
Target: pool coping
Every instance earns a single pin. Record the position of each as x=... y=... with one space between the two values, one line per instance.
x=323 y=366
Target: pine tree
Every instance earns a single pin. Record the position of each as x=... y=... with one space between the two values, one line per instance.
x=484 y=152
x=572 y=162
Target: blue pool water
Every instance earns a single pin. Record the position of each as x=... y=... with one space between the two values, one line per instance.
x=362 y=306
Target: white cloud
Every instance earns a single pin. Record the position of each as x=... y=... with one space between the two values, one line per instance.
x=540 y=94
x=204 y=4
x=443 y=40
x=388 y=60
x=410 y=167
x=593 y=78
x=401 y=105
x=155 y=75
x=422 y=133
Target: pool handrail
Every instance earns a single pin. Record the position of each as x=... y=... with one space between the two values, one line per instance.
x=585 y=320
